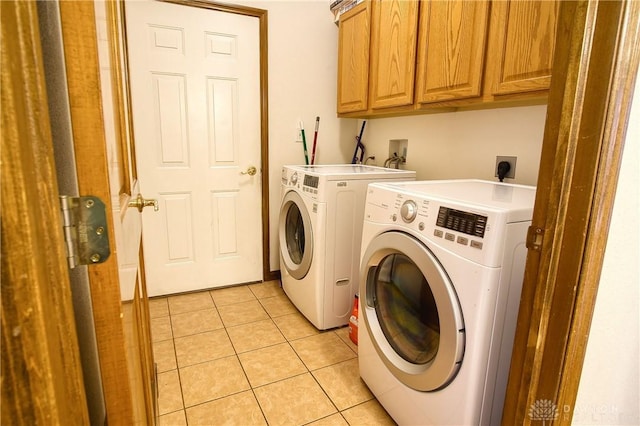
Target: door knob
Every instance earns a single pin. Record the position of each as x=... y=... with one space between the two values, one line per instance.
x=251 y=171
x=140 y=203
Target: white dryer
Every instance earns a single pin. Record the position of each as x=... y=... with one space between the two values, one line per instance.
x=320 y=231
x=441 y=275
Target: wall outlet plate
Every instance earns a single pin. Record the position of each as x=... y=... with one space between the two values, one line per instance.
x=511 y=160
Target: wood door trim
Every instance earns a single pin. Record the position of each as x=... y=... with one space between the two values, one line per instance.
x=120 y=93
x=42 y=379
x=84 y=88
x=262 y=16
x=623 y=79
x=591 y=91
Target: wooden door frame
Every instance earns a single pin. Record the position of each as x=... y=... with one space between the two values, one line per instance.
x=262 y=16
x=36 y=300
x=548 y=373
x=589 y=103
x=42 y=379
x=79 y=35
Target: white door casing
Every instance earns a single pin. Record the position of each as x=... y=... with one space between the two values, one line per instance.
x=196 y=101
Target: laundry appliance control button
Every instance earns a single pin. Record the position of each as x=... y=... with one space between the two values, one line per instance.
x=408 y=211
x=476 y=244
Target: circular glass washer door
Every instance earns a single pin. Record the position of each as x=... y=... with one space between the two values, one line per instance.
x=296 y=238
x=412 y=312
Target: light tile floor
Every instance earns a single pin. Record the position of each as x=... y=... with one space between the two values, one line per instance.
x=244 y=355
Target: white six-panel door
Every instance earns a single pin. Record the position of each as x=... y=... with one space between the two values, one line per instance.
x=196 y=105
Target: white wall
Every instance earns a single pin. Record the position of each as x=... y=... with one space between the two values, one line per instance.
x=463 y=144
x=609 y=391
x=303 y=47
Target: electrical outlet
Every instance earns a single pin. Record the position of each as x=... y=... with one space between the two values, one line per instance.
x=512 y=162
x=298 y=135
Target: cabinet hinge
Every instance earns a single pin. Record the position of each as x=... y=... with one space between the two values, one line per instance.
x=535 y=237
x=85 y=230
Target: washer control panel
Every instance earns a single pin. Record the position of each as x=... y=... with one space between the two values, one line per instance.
x=311 y=182
x=309 y=185
x=462 y=221
x=469 y=218
x=469 y=231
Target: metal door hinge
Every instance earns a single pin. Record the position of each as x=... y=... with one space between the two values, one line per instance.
x=535 y=237
x=85 y=230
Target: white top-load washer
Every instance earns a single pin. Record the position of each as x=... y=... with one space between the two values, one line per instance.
x=441 y=275
x=320 y=231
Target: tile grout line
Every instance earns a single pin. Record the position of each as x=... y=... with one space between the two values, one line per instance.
x=287 y=340
x=184 y=408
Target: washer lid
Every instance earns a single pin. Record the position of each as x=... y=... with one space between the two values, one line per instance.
x=353 y=171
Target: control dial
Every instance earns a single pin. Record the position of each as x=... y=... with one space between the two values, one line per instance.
x=294 y=178
x=408 y=211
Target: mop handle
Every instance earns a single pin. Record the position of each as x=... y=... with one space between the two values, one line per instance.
x=315 y=140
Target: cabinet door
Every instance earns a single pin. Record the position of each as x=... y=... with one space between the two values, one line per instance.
x=393 y=52
x=451 y=49
x=523 y=40
x=353 y=59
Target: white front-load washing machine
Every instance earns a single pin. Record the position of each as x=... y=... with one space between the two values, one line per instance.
x=320 y=231
x=441 y=272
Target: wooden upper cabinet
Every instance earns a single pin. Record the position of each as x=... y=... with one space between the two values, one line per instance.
x=401 y=56
x=522 y=44
x=451 y=48
x=353 y=59
x=394 y=29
